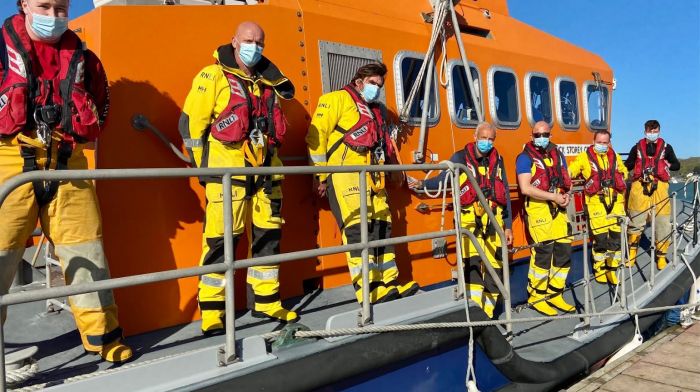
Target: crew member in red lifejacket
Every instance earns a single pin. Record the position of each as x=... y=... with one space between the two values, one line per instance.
x=604 y=174
x=232 y=118
x=650 y=163
x=487 y=166
x=53 y=102
x=349 y=128
x=545 y=184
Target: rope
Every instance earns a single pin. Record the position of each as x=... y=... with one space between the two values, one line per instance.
x=17 y=376
x=439 y=15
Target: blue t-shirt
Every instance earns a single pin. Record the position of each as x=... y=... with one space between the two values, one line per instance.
x=523 y=164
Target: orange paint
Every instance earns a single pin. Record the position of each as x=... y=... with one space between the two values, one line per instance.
x=156 y=225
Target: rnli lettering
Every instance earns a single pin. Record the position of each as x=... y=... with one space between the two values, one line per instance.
x=227 y=122
x=324 y=106
x=3 y=102
x=206 y=75
x=358 y=134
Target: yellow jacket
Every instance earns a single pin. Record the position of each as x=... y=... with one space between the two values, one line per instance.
x=210 y=93
x=581 y=166
x=336 y=108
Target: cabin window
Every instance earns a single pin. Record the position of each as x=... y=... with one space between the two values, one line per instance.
x=462 y=108
x=406 y=68
x=596 y=101
x=503 y=89
x=567 y=98
x=539 y=100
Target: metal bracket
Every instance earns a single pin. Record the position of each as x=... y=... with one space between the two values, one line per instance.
x=221 y=357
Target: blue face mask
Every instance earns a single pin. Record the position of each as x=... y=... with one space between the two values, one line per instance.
x=600 y=148
x=250 y=54
x=541 y=142
x=370 y=92
x=48 y=27
x=484 y=146
x=651 y=136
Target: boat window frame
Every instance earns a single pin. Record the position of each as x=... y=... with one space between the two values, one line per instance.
x=399 y=88
x=557 y=97
x=492 y=98
x=452 y=110
x=584 y=89
x=528 y=96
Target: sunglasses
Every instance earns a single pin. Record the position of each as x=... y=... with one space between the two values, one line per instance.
x=545 y=134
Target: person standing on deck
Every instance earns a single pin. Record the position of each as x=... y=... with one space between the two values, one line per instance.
x=650 y=163
x=604 y=174
x=232 y=118
x=349 y=128
x=486 y=164
x=544 y=182
x=54 y=101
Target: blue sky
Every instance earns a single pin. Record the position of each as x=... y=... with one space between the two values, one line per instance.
x=653 y=47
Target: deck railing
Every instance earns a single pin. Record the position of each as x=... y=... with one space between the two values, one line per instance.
x=228 y=352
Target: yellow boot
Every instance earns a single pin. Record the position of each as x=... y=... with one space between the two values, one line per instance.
x=557 y=300
x=613 y=264
x=539 y=304
x=599 y=270
x=408 y=289
x=277 y=313
x=116 y=352
x=212 y=325
x=557 y=282
x=661 y=249
x=634 y=246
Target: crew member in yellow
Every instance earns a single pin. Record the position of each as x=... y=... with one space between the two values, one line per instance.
x=47 y=128
x=545 y=184
x=487 y=166
x=232 y=118
x=349 y=128
x=604 y=174
x=650 y=163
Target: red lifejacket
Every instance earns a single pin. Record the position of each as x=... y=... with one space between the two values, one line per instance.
x=548 y=178
x=491 y=184
x=366 y=132
x=246 y=112
x=656 y=165
x=603 y=178
x=63 y=103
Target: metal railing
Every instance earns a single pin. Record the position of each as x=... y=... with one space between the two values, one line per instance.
x=227 y=354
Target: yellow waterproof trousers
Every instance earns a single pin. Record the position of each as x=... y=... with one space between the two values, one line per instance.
x=260 y=205
x=606 y=235
x=71 y=221
x=550 y=260
x=639 y=209
x=344 y=195
x=481 y=286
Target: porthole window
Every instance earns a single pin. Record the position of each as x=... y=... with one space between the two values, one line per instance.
x=567 y=103
x=406 y=68
x=503 y=90
x=462 y=108
x=539 y=100
x=596 y=101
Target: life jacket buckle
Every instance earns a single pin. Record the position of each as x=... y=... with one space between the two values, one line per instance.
x=256 y=138
x=379 y=155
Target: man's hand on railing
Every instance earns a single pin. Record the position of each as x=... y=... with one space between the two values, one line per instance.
x=509 y=237
x=414 y=184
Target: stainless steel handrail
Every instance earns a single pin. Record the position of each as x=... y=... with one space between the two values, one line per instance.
x=228 y=352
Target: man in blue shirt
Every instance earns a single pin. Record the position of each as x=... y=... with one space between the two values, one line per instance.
x=544 y=182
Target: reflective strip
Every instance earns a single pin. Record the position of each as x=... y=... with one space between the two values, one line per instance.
x=213 y=282
x=357 y=271
x=560 y=275
x=475 y=295
x=318 y=158
x=489 y=301
x=539 y=275
x=599 y=256
x=264 y=275
x=387 y=265
x=189 y=143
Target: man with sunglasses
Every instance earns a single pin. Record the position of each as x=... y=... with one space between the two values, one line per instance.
x=544 y=183
x=349 y=128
